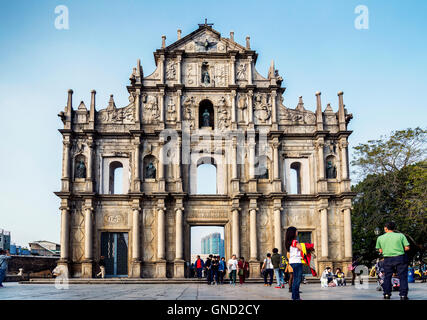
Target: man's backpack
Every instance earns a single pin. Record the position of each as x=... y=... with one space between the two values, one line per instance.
x=283 y=263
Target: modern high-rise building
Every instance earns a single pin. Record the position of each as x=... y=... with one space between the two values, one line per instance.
x=4 y=239
x=213 y=244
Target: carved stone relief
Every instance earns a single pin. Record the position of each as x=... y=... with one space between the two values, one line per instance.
x=262 y=108
x=151 y=113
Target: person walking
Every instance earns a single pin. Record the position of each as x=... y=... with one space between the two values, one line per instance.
x=392 y=245
x=221 y=270
x=101 y=264
x=215 y=266
x=294 y=249
x=199 y=264
x=4 y=257
x=208 y=268
x=268 y=269
x=232 y=269
x=276 y=260
x=242 y=270
x=289 y=272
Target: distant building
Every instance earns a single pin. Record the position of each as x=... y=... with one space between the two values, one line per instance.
x=44 y=248
x=202 y=256
x=213 y=244
x=4 y=239
x=19 y=251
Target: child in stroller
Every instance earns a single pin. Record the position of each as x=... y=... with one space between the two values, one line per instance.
x=395 y=282
x=379 y=269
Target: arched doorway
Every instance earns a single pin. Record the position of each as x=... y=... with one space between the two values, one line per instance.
x=206 y=114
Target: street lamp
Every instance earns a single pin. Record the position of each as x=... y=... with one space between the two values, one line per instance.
x=377 y=231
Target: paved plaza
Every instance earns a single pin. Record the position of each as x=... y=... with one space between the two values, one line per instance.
x=196 y=291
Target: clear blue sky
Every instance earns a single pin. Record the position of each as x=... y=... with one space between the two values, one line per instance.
x=315 y=45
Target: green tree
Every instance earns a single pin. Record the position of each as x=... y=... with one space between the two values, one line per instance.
x=393 y=187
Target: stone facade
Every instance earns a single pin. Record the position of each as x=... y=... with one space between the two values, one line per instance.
x=204 y=103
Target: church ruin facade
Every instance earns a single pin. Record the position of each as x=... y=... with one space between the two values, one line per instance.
x=129 y=180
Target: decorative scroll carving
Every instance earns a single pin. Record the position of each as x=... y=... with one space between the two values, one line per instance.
x=118 y=115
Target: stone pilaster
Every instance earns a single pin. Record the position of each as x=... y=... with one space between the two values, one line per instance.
x=135 y=271
x=65 y=230
x=277 y=183
x=65 y=180
x=348 y=251
x=161 y=166
x=235 y=224
x=324 y=232
x=89 y=176
x=161 y=240
x=179 y=243
x=277 y=211
x=87 y=265
x=233 y=110
x=321 y=181
x=254 y=264
x=136 y=165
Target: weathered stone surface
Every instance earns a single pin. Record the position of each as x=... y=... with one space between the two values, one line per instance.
x=204 y=103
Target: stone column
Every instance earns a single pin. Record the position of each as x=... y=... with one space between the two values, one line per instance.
x=66 y=164
x=137 y=178
x=324 y=232
x=253 y=234
x=347 y=234
x=277 y=229
x=320 y=159
x=89 y=179
x=250 y=107
x=273 y=107
x=343 y=146
x=179 y=263
x=178 y=71
x=179 y=235
x=136 y=248
x=137 y=107
x=161 y=247
x=232 y=70
x=250 y=71
x=236 y=232
x=161 y=105
x=178 y=106
x=87 y=267
x=251 y=159
x=160 y=234
x=65 y=232
x=161 y=167
x=233 y=108
x=162 y=68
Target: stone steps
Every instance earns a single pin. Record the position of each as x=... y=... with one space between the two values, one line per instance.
x=153 y=281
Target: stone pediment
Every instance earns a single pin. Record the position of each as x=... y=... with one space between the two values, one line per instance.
x=205 y=40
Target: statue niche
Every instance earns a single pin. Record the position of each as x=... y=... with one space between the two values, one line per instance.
x=206 y=114
x=80 y=167
x=206 y=78
x=331 y=168
x=150 y=169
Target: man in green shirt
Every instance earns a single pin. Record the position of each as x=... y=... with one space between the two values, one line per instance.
x=392 y=245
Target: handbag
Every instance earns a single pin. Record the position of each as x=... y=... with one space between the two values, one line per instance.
x=240 y=272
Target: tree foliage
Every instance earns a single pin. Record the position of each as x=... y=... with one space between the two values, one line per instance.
x=390 y=154
x=394 y=189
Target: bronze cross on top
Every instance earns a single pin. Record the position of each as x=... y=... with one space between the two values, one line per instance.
x=206 y=24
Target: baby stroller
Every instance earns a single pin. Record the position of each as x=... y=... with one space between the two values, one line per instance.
x=379 y=268
x=395 y=282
